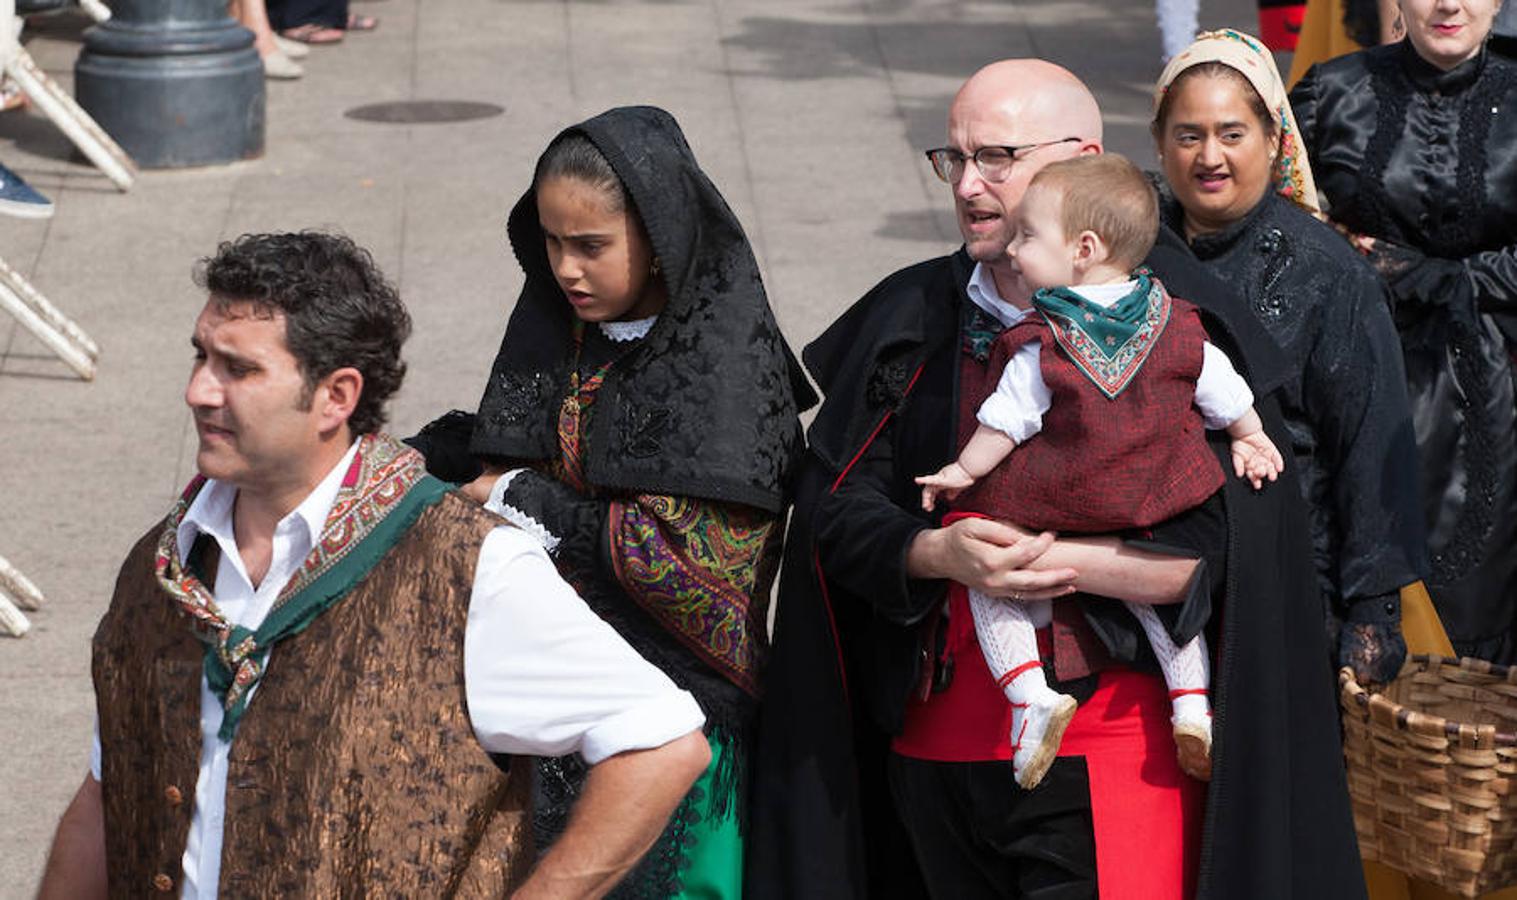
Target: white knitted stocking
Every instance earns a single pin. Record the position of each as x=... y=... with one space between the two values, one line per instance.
x=1186 y=668
x=1010 y=645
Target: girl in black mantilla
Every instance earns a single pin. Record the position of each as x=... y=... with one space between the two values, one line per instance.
x=1415 y=147
x=641 y=419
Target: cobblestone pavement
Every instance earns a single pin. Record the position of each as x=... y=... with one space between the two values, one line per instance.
x=810 y=117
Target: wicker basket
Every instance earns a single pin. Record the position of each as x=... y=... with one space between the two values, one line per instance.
x=1432 y=771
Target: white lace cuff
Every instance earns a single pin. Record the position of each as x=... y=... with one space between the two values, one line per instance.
x=498 y=505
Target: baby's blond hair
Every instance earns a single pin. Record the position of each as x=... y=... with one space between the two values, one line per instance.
x=1108 y=195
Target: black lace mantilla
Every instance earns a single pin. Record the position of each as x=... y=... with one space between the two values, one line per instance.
x=706 y=405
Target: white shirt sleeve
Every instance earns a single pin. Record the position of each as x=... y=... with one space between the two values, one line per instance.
x=1222 y=395
x=545 y=676
x=1021 y=397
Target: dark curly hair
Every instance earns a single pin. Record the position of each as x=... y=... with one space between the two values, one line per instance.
x=339 y=310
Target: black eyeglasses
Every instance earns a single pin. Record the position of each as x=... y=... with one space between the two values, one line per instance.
x=994 y=161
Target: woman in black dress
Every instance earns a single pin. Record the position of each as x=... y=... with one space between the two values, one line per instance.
x=1414 y=146
x=1241 y=198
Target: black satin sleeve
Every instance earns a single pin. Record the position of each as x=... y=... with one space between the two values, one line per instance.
x=1494 y=273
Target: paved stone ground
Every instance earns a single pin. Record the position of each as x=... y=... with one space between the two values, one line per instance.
x=810 y=116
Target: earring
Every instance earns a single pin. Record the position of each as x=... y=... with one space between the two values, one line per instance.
x=653 y=268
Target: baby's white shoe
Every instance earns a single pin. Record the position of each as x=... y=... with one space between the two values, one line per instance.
x=1193 y=741
x=1036 y=731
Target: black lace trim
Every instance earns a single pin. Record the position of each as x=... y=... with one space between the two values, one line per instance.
x=661 y=873
x=1458 y=239
x=1465 y=549
x=559 y=783
x=1393 y=93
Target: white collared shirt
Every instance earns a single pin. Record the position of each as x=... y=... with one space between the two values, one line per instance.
x=1021 y=397
x=543 y=674
x=983 y=293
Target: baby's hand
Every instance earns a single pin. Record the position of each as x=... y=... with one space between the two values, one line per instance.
x=1256 y=458
x=948 y=481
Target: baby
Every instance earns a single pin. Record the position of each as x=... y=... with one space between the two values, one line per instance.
x=1106 y=389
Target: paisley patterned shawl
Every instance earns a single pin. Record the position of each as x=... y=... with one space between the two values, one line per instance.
x=703 y=571
x=700 y=568
x=1292 y=176
x=382 y=493
x=1107 y=345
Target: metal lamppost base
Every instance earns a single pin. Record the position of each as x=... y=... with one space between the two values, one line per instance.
x=175 y=82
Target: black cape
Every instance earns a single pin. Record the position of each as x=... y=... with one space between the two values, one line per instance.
x=1277 y=824
x=706 y=406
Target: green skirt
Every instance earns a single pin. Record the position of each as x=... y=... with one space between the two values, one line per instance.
x=711 y=866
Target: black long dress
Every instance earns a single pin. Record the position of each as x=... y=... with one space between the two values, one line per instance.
x=1426 y=161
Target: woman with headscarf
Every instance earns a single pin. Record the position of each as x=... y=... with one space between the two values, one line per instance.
x=1415 y=151
x=1242 y=201
x=641 y=420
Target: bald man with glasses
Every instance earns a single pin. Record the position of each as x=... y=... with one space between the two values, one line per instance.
x=883 y=765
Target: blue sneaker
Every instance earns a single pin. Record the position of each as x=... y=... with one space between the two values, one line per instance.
x=17 y=198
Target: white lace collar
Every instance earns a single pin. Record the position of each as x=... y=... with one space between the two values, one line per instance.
x=633 y=330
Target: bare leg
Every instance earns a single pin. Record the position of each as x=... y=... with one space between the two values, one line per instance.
x=255 y=18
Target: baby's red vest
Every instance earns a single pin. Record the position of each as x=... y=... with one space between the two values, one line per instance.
x=1098 y=464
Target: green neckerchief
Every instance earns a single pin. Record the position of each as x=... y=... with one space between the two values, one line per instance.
x=1107 y=344
x=382 y=494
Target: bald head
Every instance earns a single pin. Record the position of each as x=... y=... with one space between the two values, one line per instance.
x=1035 y=107
x=1042 y=100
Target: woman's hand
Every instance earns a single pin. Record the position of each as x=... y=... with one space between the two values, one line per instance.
x=479 y=489
x=1370 y=641
x=1390 y=260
